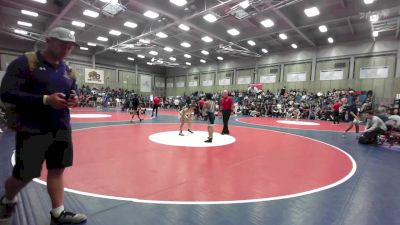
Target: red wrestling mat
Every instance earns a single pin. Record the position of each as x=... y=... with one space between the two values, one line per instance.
x=103 y=116
x=122 y=161
x=300 y=124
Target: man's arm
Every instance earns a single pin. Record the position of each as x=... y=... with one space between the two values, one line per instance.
x=13 y=81
x=374 y=125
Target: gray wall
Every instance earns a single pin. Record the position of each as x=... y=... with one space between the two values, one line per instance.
x=354 y=55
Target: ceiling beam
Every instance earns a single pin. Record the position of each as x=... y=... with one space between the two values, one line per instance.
x=176 y=22
x=398 y=30
x=350 y=26
x=61 y=15
x=23 y=6
x=290 y=23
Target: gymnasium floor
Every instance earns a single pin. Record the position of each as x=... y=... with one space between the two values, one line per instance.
x=268 y=171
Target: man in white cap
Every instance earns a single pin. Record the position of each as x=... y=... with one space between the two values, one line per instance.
x=43 y=82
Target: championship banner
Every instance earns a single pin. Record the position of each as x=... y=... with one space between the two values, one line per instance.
x=94 y=76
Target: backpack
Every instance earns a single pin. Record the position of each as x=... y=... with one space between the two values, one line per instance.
x=10 y=109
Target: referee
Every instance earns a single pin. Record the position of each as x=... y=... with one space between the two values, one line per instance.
x=227 y=109
x=42 y=96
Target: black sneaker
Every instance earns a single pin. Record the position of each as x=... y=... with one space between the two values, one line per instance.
x=6 y=211
x=68 y=218
x=209 y=140
x=190 y=131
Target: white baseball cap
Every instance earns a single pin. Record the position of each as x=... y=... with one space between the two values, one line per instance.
x=62 y=34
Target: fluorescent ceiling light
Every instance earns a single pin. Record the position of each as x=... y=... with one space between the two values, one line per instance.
x=18 y=31
x=72 y=32
x=210 y=18
x=244 y=4
x=184 y=27
x=144 y=41
x=375 y=33
x=131 y=59
x=40 y=1
x=178 y=2
x=153 y=53
x=110 y=1
x=141 y=56
x=374 y=18
x=233 y=32
x=311 y=12
x=207 y=39
x=267 y=23
x=367 y=2
x=149 y=63
x=90 y=13
x=151 y=14
x=204 y=52
x=250 y=42
x=115 y=32
x=187 y=56
x=168 y=49
x=26 y=24
x=264 y=50
x=220 y=58
x=84 y=48
x=78 y=24
x=185 y=44
x=188 y=63
x=330 y=40
x=161 y=35
x=130 y=24
x=172 y=59
x=203 y=61
x=91 y=44
x=294 y=46
x=323 y=28
x=100 y=38
x=283 y=36
x=29 y=13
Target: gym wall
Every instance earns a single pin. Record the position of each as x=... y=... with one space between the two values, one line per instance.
x=346 y=58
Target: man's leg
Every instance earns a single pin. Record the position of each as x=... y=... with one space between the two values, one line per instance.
x=13 y=186
x=55 y=187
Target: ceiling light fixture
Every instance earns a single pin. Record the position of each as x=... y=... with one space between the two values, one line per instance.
x=244 y=4
x=188 y=63
x=264 y=50
x=330 y=40
x=130 y=24
x=131 y=59
x=110 y=1
x=374 y=18
x=91 y=44
x=26 y=24
x=141 y=56
x=72 y=32
x=250 y=42
x=29 y=13
x=161 y=35
x=367 y=2
x=187 y=56
x=283 y=36
x=204 y=52
x=40 y=1
x=375 y=33
x=220 y=58
x=267 y=23
x=83 y=48
x=210 y=18
x=172 y=59
x=178 y=2
x=203 y=61
x=323 y=28
x=233 y=32
x=207 y=39
x=78 y=24
x=100 y=38
x=23 y=32
x=311 y=12
x=168 y=49
x=153 y=53
x=294 y=46
x=185 y=44
x=184 y=27
x=90 y=13
x=144 y=41
x=151 y=14
x=115 y=32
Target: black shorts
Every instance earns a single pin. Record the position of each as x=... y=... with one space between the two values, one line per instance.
x=32 y=149
x=211 y=118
